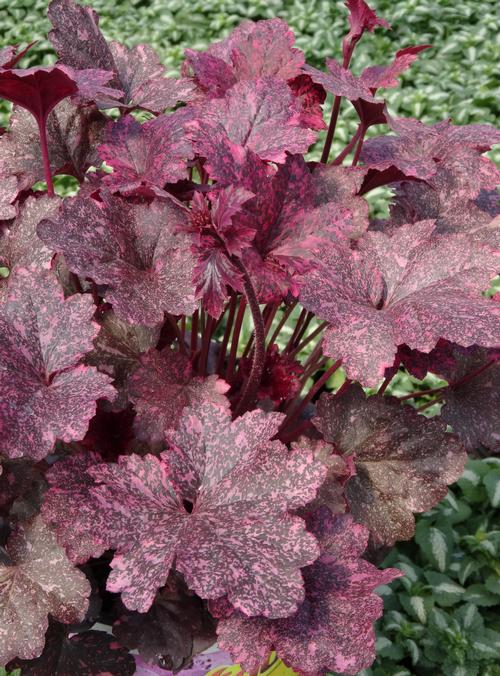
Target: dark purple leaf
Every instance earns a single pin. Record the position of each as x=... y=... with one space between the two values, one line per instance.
x=310 y=96
x=146 y=156
x=472 y=406
x=134 y=248
x=19 y=243
x=410 y=288
x=46 y=393
x=162 y=386
x=403 y=461
x=223 y=488
x=175 y=628
x=37 y=580
x=341 y=82
x=86 y=654
x=137 y=72
x=333 y=628
x=377 y=77
x=362 y=18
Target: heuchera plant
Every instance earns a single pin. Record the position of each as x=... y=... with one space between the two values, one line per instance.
x=162 y=474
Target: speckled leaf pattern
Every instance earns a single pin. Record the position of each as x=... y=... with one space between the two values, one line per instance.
x=376 y=77
x=310 y=96
x=73 y=134
x=333 y=628
x=19 y=243
x=220 y=490
x=146 y=156
x=261 y=115
x=39 y=580
x=162 y=386
x=252 y=50
x=341 y=82
x=46 y=393
x=473 y=407
x=8 y=193
x=175 y=628
x=410 y=288
x=86 y=654
x=403 y=461
x=417 y=149
x=133 y=248
x=68 y=506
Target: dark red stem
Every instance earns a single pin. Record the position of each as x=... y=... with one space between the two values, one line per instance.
x=227 y=333
x=251 y=386
x=341 y=157
x=42 y=128
x=234 y=339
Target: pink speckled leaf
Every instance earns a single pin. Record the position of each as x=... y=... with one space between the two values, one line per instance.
x=341 y=82
x=137 y=72
x=262 y=115
x=73 y=133
x=68 y=507
x=175 y=628
x=46 y=393
x=418 y=150
x=376 y=77
x=134 y=248
x=410 y=288
x=403 y=461
x=86 y=654
x=163 y=385
x=37 y=580
x=214 y=275
x=472 y=407
x=146 y=156
x=19 y=243
x=8 y=192
x=252 y=50
x=223 y=488
x=333 y=628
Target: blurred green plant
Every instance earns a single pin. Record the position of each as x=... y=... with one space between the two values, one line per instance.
x=443 y=616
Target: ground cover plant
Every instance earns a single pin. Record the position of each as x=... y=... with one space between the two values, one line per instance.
x=162 y=470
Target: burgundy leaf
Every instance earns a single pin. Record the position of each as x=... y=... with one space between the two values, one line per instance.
x=362 y=18
x=417 y=150
x=223 y=488
x=310 y=96
x=137 y=72
x=86 y=654
x=19 y=243
x=135 y=248
x=253 y=50
x=341 y=82
x=37 y=580
x=146 y=156
x=163 y=386
x=408 y=288
x=376 y=77
x=46 y=393
x=333 y=628
x=175 y=628
x=10 y=55
x=68 y=507
x=403 y=461
x=472 y=406
x=261 y=115
x=214 y=275
x=22 y=486
x=73 y=134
